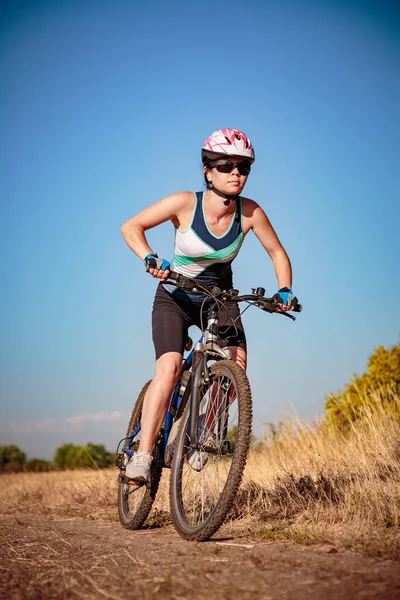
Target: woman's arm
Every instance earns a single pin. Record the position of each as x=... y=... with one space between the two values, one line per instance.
x=167 y=209
x=260 y=224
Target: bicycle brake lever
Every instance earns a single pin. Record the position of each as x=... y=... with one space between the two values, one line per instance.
x=272 y=310
x=285 y=314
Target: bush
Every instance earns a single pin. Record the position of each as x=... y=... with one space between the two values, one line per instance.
x=37 y=465
x=69 y=456
x=12 y=459
x=380 y=385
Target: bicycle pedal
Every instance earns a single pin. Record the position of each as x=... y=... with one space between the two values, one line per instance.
x=120 y=462
x=133 y=482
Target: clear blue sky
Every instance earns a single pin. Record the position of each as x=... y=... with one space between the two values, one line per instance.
x=104 y=108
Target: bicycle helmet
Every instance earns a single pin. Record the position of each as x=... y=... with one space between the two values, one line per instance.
x=225 y=143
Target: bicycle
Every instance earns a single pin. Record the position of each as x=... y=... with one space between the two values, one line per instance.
x=206 y=435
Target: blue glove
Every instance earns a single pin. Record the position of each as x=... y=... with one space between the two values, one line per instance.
x=285 y=296
x=151 y=261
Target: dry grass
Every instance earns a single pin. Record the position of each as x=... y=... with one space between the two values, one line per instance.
x=83 y=493
x=318 y=485
x=314 y=485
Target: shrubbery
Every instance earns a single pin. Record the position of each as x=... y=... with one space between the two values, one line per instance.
x=12 y=459
x=379 y=386
x=67 y=456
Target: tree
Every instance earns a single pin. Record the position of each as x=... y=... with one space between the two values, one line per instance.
x=99 y=455
x=12 y=459
x=37 y=465
x=380 y=384
x=69 y=456
x=60 y=457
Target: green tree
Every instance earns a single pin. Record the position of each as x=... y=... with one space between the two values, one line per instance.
x=37 y=465
x=91 y=455
x=12 y=459
x=380 y=384
x=60 y=456
x=384 y=369
x=99 y=455
x=78 y=457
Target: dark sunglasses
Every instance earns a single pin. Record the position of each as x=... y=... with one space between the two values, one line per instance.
x=244 y=167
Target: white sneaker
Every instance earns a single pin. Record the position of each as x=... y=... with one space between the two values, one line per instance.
x=138 y=468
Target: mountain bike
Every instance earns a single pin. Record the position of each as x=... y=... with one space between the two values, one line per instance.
x=206 y=435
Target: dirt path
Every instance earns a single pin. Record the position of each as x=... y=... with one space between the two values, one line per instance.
x=75 y=558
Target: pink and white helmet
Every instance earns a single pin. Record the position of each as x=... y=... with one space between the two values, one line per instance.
x=228 y=142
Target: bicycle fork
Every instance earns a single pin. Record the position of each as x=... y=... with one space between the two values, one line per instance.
x=200 y=376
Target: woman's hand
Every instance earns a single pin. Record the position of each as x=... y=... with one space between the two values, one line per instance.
x=159 y=268
x=286 y=298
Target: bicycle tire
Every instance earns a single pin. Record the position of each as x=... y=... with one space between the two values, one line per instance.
x=129 y=519
x=209 y=526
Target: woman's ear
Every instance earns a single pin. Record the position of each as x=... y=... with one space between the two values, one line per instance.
x=206 y=173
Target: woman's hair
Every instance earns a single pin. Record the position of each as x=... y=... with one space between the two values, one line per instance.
x=206 y=163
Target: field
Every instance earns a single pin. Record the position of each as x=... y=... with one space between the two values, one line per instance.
x=314 y=490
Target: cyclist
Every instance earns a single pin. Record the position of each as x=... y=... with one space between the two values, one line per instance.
x=210 y=227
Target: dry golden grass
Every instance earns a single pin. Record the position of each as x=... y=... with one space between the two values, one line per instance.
x=84 y=493
x=317 y=484
x=314 y=485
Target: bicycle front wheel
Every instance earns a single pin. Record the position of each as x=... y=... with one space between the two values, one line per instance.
x=135 y=502
x=205 y=480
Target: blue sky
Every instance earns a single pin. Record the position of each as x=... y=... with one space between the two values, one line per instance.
x=105 y=106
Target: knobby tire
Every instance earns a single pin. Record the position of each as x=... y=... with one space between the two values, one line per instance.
x=218 y=514
x=136 y=520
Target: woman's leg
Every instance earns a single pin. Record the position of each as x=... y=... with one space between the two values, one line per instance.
x=170 y=325
x=239 y=355
x=155 y=405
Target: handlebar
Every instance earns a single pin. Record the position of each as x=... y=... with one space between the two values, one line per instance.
x=258 y=299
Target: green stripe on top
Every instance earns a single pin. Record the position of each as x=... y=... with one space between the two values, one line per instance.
x=217 y=255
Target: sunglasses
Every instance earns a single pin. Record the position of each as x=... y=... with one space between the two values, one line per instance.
x=244 y=167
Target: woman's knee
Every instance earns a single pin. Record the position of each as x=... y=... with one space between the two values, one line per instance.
x=168 y=368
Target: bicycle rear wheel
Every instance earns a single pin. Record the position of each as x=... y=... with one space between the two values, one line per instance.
x=135 y=502
x=204 y=482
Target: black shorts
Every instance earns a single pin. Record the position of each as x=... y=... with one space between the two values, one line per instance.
x=172 y=318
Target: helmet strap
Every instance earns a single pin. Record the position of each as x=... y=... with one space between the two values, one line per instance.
x=227 y=197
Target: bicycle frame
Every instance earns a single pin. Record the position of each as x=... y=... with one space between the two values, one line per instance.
x=205 y=348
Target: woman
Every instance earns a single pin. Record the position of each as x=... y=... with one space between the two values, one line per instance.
x=210 y=228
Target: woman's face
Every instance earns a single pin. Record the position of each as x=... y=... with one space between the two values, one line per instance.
x=232 y=182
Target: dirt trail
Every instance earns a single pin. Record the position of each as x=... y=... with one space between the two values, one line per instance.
x=74 y=558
